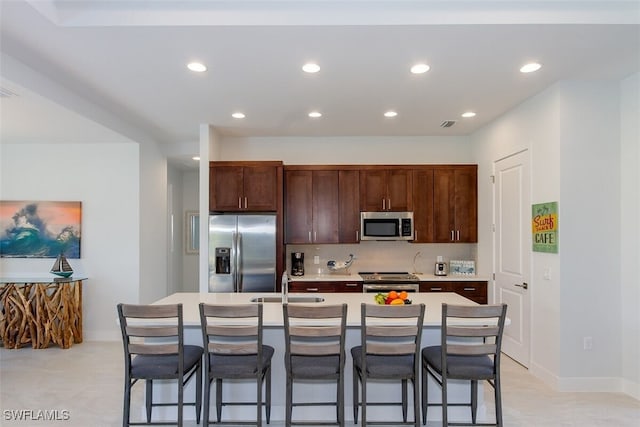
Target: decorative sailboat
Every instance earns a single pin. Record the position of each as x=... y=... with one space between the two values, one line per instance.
x=61 y=267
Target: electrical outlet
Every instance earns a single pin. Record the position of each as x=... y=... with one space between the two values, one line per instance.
x=547 y=274
x=316 y=259
x=587 y=343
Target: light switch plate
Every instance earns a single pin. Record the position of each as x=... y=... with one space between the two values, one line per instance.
x=316 y=259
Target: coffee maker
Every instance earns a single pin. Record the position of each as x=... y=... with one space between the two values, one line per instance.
x=297 y=263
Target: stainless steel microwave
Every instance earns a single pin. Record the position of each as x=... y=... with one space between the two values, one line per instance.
x=386 y=225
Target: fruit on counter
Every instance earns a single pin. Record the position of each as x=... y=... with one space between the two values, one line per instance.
x=392 y=298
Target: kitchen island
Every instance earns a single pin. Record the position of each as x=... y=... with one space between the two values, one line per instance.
x=274 y=336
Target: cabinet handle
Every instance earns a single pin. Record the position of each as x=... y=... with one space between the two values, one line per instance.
x=389 y=204
x=312 y=289
x=245 y=203
x=239 y=202
x=310 y=241
x=469 y=289
x=457 y=234
x=315 y=236
x=435 y=289
x=357 y=236
x=383 y=205
x=351 y=285
x=452 y=235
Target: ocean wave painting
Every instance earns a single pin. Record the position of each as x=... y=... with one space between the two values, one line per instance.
x=36 y=229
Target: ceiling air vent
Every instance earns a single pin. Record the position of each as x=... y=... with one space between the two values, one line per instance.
x=6 y=93
x=447 y=123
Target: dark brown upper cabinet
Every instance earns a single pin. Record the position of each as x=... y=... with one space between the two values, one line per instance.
x=455 y=204
x=243 y=186
x=385 y=190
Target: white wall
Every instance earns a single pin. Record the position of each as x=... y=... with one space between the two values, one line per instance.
x=590 y=233
x=348 y=150
x=630 y=233
x=104 y=177
x=175 y=230
x=531 y=126
x=190 y=191
x=153 y=224
x=574 y=134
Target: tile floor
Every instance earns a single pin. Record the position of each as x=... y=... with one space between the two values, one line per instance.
x=86 y=380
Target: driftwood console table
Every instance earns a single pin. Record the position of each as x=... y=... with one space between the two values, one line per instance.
x=40 y=312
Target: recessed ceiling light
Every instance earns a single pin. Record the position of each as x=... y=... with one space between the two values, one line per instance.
x=196 y=158
x=238 y=115
x=197 y=67
x=469 y=114
x=390 y=114
x=310 y=67
x=315 y=114
x=530 y=67
x=420 y=68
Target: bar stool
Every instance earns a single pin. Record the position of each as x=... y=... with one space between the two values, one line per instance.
x=233 y=335
x=389 y=350
x=467 y=352
x=314 y=340
x=154 y=349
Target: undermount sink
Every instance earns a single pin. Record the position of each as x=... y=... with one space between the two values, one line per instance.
x=290 y=299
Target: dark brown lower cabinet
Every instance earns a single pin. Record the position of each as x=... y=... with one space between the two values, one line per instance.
x=474 y=290
x=325 y=286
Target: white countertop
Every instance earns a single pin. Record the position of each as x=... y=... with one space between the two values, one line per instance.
x=273 y=311
x=354 y=277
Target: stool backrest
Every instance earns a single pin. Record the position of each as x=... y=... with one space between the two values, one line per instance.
x=228 y=330
x=391 y=330
x=472 y=330
x=314 y=330
x=151 y=330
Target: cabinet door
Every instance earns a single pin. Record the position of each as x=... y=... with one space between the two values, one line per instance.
x=226 y=186
x=444 y=205
x=348 y=287
x=399 y=190
x=423 y=205
x=373 y=184
x=455 y=204
x=298 y=206
x=466 y=205
x=311 y=286
x=260 y=189
x=325 y=206
x=349 y=206
x=475 y=291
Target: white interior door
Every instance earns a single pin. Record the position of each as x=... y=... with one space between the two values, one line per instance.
x=512 y=251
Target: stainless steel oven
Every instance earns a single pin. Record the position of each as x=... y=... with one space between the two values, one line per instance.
x=389 y=281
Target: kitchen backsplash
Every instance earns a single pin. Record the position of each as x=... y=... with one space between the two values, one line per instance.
x=381 y=256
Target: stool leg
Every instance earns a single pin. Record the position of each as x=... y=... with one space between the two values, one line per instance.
x=148 y=398
x=207 y=397
x=219 y=398
x=404 y=400
x=474 y=400
x=268 y=391
x=355 y=396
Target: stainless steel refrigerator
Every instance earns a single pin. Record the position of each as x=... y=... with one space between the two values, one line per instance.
x=242 y=253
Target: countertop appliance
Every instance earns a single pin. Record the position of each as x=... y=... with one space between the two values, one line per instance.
x=441 y=267
x=386 y=225
x=389 y=281
x=297 y=263
x=242 y=253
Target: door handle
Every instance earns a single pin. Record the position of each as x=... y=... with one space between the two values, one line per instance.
x=524 y=285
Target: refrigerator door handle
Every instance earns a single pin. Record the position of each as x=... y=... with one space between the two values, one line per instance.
x=238 y=286
x=234 y=260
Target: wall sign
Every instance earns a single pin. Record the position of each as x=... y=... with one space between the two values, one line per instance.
x=544 y=227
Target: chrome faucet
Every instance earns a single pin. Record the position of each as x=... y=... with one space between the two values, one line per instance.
x=284 y=285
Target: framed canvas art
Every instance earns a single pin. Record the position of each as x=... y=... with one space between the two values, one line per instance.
x=40 y=229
